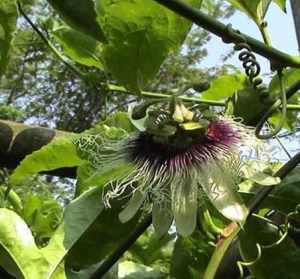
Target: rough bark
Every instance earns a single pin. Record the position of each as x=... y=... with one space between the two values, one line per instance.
x=18 y=140
x=295 y=4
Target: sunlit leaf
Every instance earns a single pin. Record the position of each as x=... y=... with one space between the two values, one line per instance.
x=59 y=153
x=132 y=270
x=42 y=215
x=18 y=253
x=255 y=9
x=225 y=86
x=281 y=4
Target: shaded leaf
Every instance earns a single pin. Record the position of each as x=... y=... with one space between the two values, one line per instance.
x=290 y=76
x=79 y=47
x=153 y=251
x=80 y=16
x=285 y=197
x=239 y=106
x=102 y=237
x=190 y=256
x=280 y=261
x=78 y=216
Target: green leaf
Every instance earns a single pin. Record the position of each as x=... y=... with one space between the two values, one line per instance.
x=256 y=171
x=190 y=256
x=88 y=176
x=19 y=254
x=80 y=16
x=8 y=21
x=255 y=9
x=281 y=4
x=42 y=215
x=87 y=272
x=239 y=103
x=140 y=35
x=119 y=120
x=290 y=77
x=79 y=215
x=79 y=47
x=225 y=86
x=280 y=261
x=151 y=250
x=57 y=154
x=132 y=270
x=285 y=197
x=102 y=237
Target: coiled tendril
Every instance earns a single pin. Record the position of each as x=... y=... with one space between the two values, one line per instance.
x=252 y=70
x=250 y=64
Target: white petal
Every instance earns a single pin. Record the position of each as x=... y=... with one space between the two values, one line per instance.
x=132 y=207
x=219 y=186
x=184 y=205
x=162 y=218
x=235 y=212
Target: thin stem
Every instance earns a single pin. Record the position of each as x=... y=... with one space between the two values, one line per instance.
x=211 y=24
x=118 y=253
x=168 y=96
x=283 y=147
x=49 y=44
x=147 y=94
x=263 y=28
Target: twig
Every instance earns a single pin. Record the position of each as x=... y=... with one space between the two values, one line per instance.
x=211 y=24
x=195 y=100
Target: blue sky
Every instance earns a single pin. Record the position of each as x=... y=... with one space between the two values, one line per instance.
x=281 y=28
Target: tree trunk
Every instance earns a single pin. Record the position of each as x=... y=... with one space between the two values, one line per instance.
x=295 y=4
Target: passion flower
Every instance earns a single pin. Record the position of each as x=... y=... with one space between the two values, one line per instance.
x=177 y=158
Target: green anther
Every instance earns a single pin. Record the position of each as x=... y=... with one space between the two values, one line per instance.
x=190 y=126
